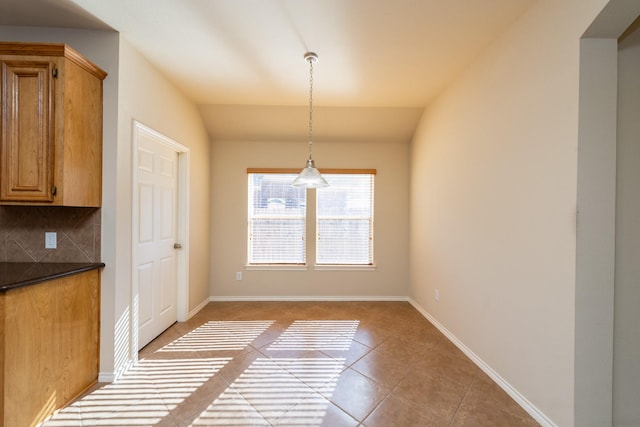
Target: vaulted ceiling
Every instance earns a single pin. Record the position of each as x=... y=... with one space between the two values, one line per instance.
x=380 y=62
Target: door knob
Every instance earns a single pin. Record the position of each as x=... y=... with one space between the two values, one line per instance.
x=177 y=246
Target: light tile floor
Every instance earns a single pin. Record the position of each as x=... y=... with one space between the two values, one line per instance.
x=299 y=364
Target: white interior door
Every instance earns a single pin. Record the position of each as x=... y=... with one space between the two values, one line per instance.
x=156 y=263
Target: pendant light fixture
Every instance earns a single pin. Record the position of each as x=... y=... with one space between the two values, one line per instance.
x=310 y=176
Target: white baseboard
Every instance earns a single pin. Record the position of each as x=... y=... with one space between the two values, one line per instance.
x=198 y=308
x=531 y=409
x=109 y=377
x=106 y=377
x=307 y=298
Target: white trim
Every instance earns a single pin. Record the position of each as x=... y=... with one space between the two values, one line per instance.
x=344 y=267
x=304 y=267
x=306 y=298
x=182 y=255
x=292 y=267
x=106 y=377
x=531 y=409
x=109 y=377
x=184 y=184
x=197 y=309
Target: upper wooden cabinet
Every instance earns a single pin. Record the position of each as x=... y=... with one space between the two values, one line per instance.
x=50 y=126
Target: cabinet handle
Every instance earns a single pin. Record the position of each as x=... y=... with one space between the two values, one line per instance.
x=54 y=190
x=55 y=73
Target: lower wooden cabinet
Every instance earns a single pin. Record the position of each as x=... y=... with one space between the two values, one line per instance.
x=50 y=346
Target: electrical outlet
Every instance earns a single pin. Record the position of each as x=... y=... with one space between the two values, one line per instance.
x=436 y=295
x=239 y=275
x=50 y=240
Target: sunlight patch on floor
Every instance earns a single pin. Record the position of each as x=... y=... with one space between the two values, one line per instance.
x=291 y=391
x=317 y=335
x=144 y=395
x=290 y=385
x=220 y=335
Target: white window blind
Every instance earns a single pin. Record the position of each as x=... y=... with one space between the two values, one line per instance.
x=344 y=220
x=277 y=219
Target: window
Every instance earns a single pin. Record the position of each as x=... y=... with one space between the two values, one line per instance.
x=278 y=222
x=344 y=220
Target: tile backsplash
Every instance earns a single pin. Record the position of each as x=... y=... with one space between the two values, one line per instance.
x=22 y=231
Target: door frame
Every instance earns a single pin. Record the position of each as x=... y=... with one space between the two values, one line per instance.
x=182 y=231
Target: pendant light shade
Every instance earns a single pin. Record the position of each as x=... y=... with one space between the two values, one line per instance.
x=310 y=177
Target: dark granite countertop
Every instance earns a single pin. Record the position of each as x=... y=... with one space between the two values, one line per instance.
x=17 y=274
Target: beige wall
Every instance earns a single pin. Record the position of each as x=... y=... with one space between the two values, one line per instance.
x=146 y=96
x=626 y=379
x=493 y=217
x=230 y=161
x=595 y=233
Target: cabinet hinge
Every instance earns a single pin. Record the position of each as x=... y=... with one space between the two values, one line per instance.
x=55 y=73
x=54 y=190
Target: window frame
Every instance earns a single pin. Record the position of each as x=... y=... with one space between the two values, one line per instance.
x=311 y=218
x=251 y=218
x=370 y=218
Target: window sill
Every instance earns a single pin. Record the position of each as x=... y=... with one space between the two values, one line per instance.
x=304 y=267
x=344 y=267
x=292 y=267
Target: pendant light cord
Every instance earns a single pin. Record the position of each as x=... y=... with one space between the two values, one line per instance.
x=311 y=61
x=310 y=176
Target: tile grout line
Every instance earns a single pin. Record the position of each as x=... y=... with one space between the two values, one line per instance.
x=386 y=396
x=466 y=392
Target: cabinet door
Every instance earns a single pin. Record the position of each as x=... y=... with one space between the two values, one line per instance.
x=78 y=317
x=51 y=346
x=26 y=140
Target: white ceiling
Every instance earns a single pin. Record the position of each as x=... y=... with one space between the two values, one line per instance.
x=374 y=55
